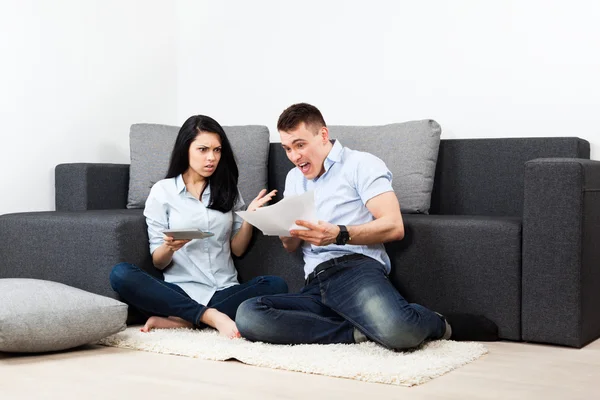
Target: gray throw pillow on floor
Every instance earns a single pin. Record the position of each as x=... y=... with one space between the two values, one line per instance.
x=410 y=151
x=151 y=146
x=38 y=315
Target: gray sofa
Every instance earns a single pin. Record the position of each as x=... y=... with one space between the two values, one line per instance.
x=512 y=234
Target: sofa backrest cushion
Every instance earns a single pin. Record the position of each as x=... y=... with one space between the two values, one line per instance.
x=409 y=150
x=485 y=176
x=151 y=146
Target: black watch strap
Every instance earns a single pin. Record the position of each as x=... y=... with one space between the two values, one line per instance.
x=343 y=237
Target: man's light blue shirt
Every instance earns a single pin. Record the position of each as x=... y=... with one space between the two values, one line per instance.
x=351 y=178
x=202 y=266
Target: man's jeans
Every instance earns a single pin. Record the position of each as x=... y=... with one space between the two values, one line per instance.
x=155 y=297
x=352 y=293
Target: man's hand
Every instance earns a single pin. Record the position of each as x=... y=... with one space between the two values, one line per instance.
x=321 y=234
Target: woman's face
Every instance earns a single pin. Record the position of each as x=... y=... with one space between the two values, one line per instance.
x=205 y=153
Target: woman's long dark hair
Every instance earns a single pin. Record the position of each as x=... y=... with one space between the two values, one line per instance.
x=223 y=182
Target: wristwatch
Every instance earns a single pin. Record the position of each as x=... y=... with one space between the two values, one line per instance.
x=343 y=237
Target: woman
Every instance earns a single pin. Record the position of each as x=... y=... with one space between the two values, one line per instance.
x=200 y=284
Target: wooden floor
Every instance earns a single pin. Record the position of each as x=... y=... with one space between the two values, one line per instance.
x=509 y=371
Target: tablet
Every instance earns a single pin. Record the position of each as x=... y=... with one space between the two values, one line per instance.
x=187 y=234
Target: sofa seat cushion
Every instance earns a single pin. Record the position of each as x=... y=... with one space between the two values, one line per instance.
x=38 y=315
x=409 y=149
x=151 y=146
x=462 y=264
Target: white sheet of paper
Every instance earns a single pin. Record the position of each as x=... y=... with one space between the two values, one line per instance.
x=278 y=219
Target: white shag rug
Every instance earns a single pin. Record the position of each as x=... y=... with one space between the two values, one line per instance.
x=366 y=361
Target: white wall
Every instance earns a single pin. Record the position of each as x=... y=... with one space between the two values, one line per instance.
x=74 y=76
x=480 y=68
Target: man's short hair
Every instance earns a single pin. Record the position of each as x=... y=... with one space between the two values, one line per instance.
x=296 y=114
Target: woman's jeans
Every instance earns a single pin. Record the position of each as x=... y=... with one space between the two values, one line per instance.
x=349 y=294
x=155 y=297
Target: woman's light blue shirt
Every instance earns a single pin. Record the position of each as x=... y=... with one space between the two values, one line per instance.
x=202 y=266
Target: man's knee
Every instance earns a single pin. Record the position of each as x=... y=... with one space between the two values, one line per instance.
x=395 y=332
x=403 y=337
x=247 y=319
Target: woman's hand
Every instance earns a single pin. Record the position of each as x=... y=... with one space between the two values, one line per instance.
x=163 y=256
x=290 y=243
x=239 y=242
x=260 y=200
x=174 y=245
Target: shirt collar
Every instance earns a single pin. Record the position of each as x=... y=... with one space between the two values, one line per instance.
x=335 y=155
x=180 y=186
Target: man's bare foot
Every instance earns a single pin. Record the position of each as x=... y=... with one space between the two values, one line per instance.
x=165 y=323
x=221 y=322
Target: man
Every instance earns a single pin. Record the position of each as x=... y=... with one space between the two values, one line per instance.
x=347 y=297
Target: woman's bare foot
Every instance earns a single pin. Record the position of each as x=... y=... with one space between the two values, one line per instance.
x=165 y=323
x=221 y=322
x=227 y=327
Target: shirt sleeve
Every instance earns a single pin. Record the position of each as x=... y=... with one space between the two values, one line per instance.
x=237 y=220
x=157 y=219
x=372 y=178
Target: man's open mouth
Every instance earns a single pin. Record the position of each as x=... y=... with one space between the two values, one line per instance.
x=304 y=167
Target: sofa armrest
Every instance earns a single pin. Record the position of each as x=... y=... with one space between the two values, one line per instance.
x=78 y=249
x=81 y=186
x=561 y=251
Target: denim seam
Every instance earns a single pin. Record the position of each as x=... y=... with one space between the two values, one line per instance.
x=309 y=314
x=298 y=312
